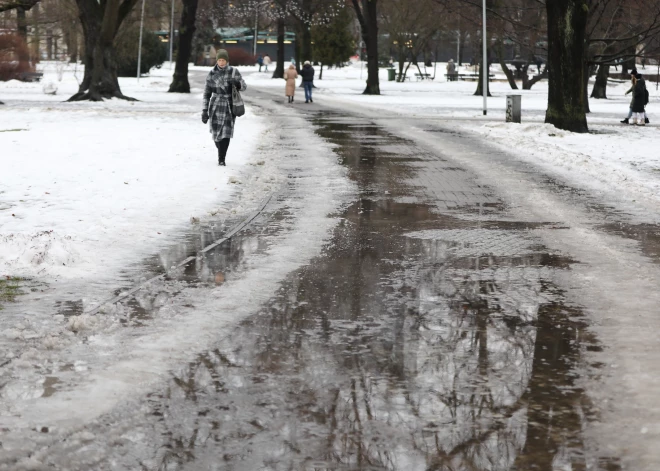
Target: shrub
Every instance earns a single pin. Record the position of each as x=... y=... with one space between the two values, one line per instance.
x=14 y=57
x=238 y=56
x=154 y=52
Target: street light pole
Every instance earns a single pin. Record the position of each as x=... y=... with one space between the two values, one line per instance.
x=484 y=64
x=256 y=26
x=171 y=34
x=140 y=42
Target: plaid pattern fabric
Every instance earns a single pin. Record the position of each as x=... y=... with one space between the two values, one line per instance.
x=217 y=100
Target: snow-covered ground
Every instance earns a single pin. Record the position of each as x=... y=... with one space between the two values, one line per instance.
x=88 y=187
x=614 y=158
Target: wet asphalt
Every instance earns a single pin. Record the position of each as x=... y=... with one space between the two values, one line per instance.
x=428 y=335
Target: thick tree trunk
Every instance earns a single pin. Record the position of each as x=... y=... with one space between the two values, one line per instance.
x=180 y=82
x=367 y=13
x=100 y=26
x=600 y=87
x=529 y=83
x=21 y=24
x=279 y=66
x=480 y=87
x=553 y=401
x=567 y=21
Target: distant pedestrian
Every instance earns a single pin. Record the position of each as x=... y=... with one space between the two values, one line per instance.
x=640 y=99
x=290 y=75
x=293 y=61
x=217 y=104
x=267 y=61
x=260 y=61
x=633 y=82
x=451 y=70
x=307 y=73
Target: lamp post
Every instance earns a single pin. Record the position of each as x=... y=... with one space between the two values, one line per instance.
x=140 y=42
x=256 y=28
x=484 y=65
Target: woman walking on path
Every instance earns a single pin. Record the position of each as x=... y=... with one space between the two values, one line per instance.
x=217 y=102
x=290 y=76
x=633 y=80
x=639 y=100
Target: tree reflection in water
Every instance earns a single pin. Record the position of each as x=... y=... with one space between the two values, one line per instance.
x=395 y=352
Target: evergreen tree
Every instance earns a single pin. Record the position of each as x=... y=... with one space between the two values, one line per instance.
x=333 y=43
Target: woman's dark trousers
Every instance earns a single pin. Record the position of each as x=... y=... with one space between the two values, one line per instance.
x=222 y=145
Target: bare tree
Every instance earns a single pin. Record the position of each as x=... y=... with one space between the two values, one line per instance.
x=100 y=23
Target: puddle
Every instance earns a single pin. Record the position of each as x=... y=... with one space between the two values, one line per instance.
x=648 y=236
x=419 y=340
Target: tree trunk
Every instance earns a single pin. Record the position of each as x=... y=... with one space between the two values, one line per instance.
x=600 y=87
x=279 y=66
x=21 y=24
x=367 y=13
x=180 y=82
x=100 y=26
x=509 y=75
x=482 y=69
x=529 y=83
x=567 y=21
x=321 y=72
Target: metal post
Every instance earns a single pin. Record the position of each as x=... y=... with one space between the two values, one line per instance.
x=172 y=34
x=484 y=65
x=256 y=26
x=140 y=42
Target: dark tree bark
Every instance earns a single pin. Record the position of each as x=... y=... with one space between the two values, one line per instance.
x=528 y=83
x=6 y=5
x=21 y=23
x=279 y=66
x=600 y=87
x=367 y=14
x=509 y=75
x=482 y=69
x=180 y=82
x=100 y=23
x=567 y=21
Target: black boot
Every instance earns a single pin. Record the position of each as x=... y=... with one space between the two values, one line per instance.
x=625 y=121
x=646 y=120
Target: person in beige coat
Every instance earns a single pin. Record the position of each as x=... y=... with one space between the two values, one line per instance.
x=290 y=75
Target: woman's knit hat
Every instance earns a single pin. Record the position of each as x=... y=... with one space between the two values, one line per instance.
x=222 y=54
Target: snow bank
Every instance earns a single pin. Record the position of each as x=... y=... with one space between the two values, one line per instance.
x=96 y=185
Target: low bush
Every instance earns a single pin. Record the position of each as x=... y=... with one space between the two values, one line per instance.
x=14 y=57
x=238 y=56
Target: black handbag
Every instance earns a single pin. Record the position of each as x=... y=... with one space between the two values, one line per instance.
x=237 y=105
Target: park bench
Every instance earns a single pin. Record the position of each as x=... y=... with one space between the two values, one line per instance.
x=423 y=77
x=456 y=76
x=30 y=76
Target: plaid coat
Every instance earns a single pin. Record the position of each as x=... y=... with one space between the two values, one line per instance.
x=217 y=101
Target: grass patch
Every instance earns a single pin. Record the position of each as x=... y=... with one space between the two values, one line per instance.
x=9 y=289
x=12 y=130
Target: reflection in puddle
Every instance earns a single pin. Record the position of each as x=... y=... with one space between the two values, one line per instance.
x=420 y=340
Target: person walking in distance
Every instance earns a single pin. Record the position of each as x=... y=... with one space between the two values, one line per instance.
x=640 y=99
x=451 y=70
x=217 y=105
x=308 y=81
x=633 y=80
x=267 y=62
x=260 y=61
x=290 y=75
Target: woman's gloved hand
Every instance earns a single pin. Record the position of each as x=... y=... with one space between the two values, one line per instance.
x=205 y=116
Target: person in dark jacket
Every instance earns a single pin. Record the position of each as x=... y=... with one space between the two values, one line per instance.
x=217 y=102
x=308 y=81
x=626 y=120
x=639 y=100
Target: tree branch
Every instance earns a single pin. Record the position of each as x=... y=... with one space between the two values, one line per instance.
x=6 y=5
